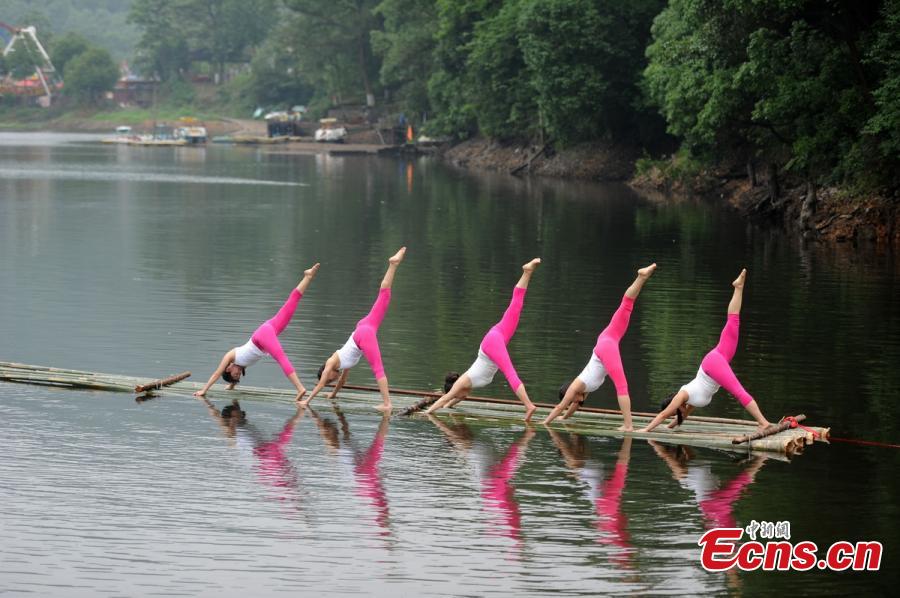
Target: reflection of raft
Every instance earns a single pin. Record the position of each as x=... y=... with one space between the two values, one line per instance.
x=258 y=140
x=712 y=432
x=158 y=142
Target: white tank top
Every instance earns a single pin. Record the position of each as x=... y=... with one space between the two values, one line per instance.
x=349 y=355
x=701 y=389
x=248 y=354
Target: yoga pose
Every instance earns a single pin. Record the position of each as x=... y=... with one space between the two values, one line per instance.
x=714 y=372
x=264 y=340
x=363 y=342
x=605 y=360
x=492 y=354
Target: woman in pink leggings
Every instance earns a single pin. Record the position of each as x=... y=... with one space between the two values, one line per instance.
x=363 y=342
x=606 y=360
x=714 y=372
x=492 y=354
x=264 y=341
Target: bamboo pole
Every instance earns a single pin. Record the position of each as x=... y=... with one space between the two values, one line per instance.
x=157 y=384
x=773 y=429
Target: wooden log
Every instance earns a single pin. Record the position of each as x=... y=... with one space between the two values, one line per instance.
x=157 y=384
x=774 y=429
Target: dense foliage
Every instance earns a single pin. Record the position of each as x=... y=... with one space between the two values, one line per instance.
x=805 y=87
x=101 y=21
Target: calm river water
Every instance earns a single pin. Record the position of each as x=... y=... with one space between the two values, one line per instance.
x=150 y=261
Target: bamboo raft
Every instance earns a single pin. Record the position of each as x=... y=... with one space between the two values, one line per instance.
x=710 y=432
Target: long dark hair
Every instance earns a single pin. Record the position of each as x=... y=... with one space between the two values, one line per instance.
x=228 y=378
x=450 y=379
x=666 y=402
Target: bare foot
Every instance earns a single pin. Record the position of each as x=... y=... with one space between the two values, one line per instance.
x=311 y=272
x=739 y=281
x=397 y=257
x=648 y=271
x=386 y=408
x=529 y=411
x=644 y=431
x=530 y=266
x=625 y=428
x=302 y=403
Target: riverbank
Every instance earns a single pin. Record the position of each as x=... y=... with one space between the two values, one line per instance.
x=106 y=121
x=829 y=214
x=590 y=161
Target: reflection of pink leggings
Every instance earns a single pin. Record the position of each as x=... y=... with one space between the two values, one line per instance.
x=612 y=520
x=715 y=364
x=368 y=480
x=499 y=492
x=494 y=342
x=366 y=334
x=607 y=347
x=718 y=507
x=266 y=336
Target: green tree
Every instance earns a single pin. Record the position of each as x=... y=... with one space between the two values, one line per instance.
x=65 y=48
x=884 y=56
x=332 y=42
x=23 y=58
x=500 y=93
x=405 y=47
x=91 y=74
x=162 y=49
x=451 y=85
x=585 y=59
x=782 y=80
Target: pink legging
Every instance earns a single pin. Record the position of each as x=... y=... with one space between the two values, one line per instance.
x=715 y=364
x=266 y=336
x=494 y=342
x=607 y=347
x=366 y=334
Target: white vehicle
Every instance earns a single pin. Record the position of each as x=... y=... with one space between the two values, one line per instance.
x=329 y=132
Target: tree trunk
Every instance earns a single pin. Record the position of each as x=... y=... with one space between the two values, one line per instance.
x=808 y=208
x=774 y=191
x=370 y=95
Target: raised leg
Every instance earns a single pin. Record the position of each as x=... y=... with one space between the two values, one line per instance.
x=510 y=321
x=642 y=276
x=393 y=263
x=281 y=319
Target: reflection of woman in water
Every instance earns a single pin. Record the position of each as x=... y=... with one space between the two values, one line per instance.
x=268 y=455
x=365 y=464
x=495 y=477
x=606 y=496
x=716 y=503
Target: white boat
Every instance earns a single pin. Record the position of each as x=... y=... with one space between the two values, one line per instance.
x=329 y=132
x=123 y=135
x=192 y=135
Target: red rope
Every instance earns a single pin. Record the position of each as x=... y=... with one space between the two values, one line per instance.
x=795 y=424
x=864 y=442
